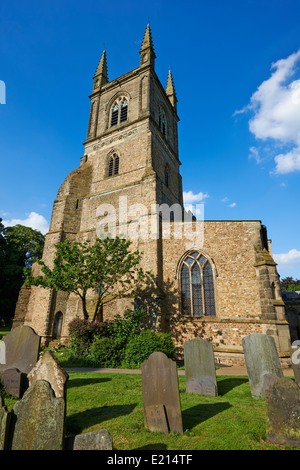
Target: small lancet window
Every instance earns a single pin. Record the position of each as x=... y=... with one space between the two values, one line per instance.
x=113 y=165
x=167 y=176
x=114 y=115
x=124 y=108
x=162 y=122
x=197 y=286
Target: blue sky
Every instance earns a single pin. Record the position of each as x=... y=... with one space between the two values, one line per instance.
x=235 y=66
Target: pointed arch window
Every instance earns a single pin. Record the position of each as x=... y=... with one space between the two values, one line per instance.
x=167 y=171
x=197 y=286
x=162 y=121
x=119 y=111
x=113 y=165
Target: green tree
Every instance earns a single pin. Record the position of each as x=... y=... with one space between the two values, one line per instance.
x=19 y=247
x=289 y=284
x=108 y=267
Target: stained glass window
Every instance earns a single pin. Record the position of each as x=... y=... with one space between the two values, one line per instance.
x=197 y=286
x=185 y=290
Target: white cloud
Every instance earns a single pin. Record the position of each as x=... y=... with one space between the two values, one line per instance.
x=226 y=199
x=276 y=113
x=288 y=162
x=291 y=259
x=34 y=220
x=190 y=198
x=254 y=153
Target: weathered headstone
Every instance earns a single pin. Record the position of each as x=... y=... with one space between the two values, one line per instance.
x=94 y=440
x=38 y=420
x=261 y=358
x=21 y=349
x=48 y=368
x=4 y=425
x=14 y=382
x=162 y=409
x=199 y=364
x=268 y=380
x=283 y=412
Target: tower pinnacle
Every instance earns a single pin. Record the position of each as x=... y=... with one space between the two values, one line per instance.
x=170 y=90
x=101 y=75
x=147 y=50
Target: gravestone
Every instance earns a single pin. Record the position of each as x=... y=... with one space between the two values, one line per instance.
x=94 y=440
x=283 y=412
x=261 y=358
x=161 y=398
x=14 y=382
x=37 y=421
x=199 y=364
x=268 y=380
x=4 y=425
x=48 y=368
x=22 y=346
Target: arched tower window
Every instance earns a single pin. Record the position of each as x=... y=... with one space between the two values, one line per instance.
x=113 y=165
x=162 y=121
x=167 y=171
x=197 y=286
x=119 y=111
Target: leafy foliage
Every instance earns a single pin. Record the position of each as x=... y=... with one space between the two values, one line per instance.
x=289 y=284
x=141 y=346
x=20 y=246
x=121 y=342
x=108 y=267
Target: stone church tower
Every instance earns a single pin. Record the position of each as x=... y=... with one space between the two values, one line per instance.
x=221 y=289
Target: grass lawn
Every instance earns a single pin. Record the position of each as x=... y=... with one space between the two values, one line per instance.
x=231 y=421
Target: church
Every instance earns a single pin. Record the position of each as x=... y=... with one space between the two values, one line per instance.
x=217 y=278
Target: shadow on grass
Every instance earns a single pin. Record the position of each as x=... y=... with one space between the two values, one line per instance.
x=153 y=446
x=78 y=422
x=81 y=382
x=199 y=413
x=225 y=384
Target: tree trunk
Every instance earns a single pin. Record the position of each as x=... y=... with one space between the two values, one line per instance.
x=85 y=312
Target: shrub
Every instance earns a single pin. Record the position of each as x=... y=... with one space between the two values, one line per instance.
x=82 y=333
x=141 y=346
x=106 y=352
x=123 y=327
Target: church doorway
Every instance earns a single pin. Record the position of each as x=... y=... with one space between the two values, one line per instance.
x=57 y=327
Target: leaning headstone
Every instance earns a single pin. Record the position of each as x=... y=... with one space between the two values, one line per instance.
x=268 y=380
x=261 y=358
x=22 y=346
x=4 y=425
x=14 y=382
x=283 y=413
x=48 y=368
x=38 y=420
x=94 y=440
x=162 y=409
x=199 y=364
